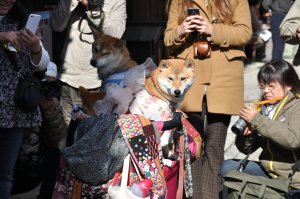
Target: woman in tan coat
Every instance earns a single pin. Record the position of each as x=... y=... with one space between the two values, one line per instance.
x=225 y=25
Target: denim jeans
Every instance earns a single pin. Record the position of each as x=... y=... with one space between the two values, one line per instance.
x=252 y=167
x=10 y=142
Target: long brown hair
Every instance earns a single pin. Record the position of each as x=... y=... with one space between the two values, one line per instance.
x=221 y=9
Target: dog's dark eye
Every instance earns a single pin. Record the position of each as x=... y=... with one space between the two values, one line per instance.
x=105 y=53
x=183 y=78
x=170 y=78
x=96 y=48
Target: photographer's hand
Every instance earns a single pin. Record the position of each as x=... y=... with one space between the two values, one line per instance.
x=248 y=112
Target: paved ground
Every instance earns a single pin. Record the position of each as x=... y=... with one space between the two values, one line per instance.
x=251 y=94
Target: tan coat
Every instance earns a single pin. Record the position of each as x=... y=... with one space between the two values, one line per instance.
x=222 y=73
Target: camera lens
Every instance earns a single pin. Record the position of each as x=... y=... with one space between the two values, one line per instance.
x=239 y=126
x=50 y=89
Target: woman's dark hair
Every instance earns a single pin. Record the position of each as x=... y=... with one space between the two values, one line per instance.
x=279 y=71
x=19 y=13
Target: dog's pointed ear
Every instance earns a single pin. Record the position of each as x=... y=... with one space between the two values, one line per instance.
x=163 y=64
x=120 y=44
x=96 y=33
x=190 y=64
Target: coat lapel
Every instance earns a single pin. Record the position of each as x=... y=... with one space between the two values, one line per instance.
x=204 y=9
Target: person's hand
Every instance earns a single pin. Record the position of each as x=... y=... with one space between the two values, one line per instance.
x=248 y=112
x=30 y=40
x=247 y=131
x=85 y=3
x=298 y=33
x=202 y=25
x=186 y=27
x=10 y=37
x=194 y=23
x=47 y=105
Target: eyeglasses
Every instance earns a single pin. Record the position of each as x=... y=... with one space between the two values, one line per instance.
x=270 y=87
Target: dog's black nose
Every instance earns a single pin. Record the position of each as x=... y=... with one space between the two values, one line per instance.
x=177 y=92
x=93 y=62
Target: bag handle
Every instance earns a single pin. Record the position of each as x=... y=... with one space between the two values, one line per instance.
x=136 y=169
x=125 y=172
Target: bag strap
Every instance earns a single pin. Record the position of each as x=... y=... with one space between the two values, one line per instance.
x=125 y=172
x=12 y=59
x=296 y=168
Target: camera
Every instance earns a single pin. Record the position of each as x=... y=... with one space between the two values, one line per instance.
x=94 y=4
x=239 y=126
x=50 y=88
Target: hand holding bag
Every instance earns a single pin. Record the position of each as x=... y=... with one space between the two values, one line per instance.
x=117 y=192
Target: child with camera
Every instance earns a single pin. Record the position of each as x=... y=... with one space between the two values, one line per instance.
x=272 y=124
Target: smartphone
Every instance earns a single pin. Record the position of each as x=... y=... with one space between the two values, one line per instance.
x=193 y=11
x=33 y=22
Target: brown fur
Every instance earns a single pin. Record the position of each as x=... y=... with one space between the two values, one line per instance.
x=89 y=98
x=171 y=68
x=112 y=53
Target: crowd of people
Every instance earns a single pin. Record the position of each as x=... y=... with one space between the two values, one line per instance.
x=223 y=27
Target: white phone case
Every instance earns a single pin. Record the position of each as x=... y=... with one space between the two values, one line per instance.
x=33 y=22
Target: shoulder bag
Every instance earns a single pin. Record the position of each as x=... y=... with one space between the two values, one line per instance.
x=27 y=94
x=246 y=186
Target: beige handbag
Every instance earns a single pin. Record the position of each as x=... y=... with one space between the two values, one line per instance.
x=122 y=192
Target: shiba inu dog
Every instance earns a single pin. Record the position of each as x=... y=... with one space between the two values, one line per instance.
x=110 y=55
x=171 y=80
x=164 y=90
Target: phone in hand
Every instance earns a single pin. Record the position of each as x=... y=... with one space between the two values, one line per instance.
x=193 y=11
x=33 y=22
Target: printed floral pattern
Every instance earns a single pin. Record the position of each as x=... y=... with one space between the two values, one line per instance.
x=10 y=114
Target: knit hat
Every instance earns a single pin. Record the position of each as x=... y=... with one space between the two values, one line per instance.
x=51 y=70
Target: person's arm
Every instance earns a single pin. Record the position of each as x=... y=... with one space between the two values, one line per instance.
x=173 y=37
x=59 y=17
x=54 y=126
x=290 y=26
x=285 y=132
x=43 y=57
x=114 y=17
x=39 y=56
x=9 y=37
x=239 y=32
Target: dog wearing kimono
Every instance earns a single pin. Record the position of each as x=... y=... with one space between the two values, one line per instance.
x=164 y=90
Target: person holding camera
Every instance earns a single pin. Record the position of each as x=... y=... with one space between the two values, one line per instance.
x=272 y=125
x=78 y=18
x=223 y=28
